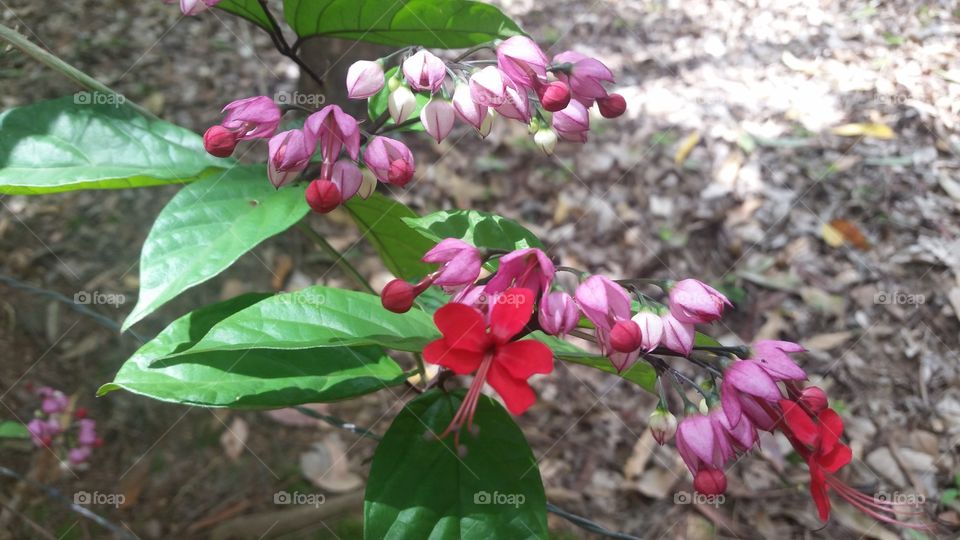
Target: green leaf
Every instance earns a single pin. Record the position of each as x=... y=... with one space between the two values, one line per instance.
x=481 y=229
x=420 y=488
x=383 y=222
x=66 y=145
x=444 y=24
x=319 y=317
x=378 y=103
x=248 y=378
x=12 y=429
x=250 y=10
x=206 y=227
x=640 y=373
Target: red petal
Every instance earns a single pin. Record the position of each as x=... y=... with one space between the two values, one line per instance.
x=799 y=423
x=524 y=358
x=516 y=393
x=831 y=427
x=818 y=490
x=510 y=313
x=836 y=459
x=460 y=361
x=463 y=327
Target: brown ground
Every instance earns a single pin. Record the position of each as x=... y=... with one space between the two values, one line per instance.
x=762 y=86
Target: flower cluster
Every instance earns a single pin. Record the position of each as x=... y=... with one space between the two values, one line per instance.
x=55 y=426
x=193 y=7
x=552 y=97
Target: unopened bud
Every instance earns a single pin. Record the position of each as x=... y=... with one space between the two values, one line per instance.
x=814 y=398
x=397 y=296
x=663 y=425
x=323 y=196
x=546 y=139
x=612 y=105
x=625 y=336
x=219 y=141
x=554 y=96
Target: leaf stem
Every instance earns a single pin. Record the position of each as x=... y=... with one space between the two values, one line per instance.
x=338 y=257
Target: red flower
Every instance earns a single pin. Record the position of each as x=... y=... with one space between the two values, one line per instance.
x=468 y=346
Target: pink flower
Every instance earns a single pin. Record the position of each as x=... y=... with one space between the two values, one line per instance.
x=87 y=432
x=43 y=431
x=466 y=108
x=252 y=118
x=572 y=123
x=289 y=154
x=424 y=71
x=364 y=79
x=651 y=330
x=516 y=104
x=677 y=336
x=585 y=76
x=79 y=455
x=488 y=87
x=745 y=386
x=704 y=450
x=390 y=160
x=695 y=302
x=437 y=118
x=522 y=61
x=193 y=7
x=461 y=262
x=558 y=313
x=527 y=268
x=54 y=401
x=605 y=303
x=325 y=195
x=773 y=357
x=334 y=129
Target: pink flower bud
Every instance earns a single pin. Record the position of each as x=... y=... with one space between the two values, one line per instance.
x=461 y=262
x=255 y=117
x=79 y=455
x=87 y=432
x=516 y=104
x=710 y=482
x=219 y=141
x=586 y=75
x=651 y=330
x=397 y=296
x=612 y=105
x=487 y=87
x=677 y=336
x=662 y=424
x=348 y=179
x=364 y=79
x=625 y=336
x=572 y=123
x=334 y=129
x=694 y=302
x=424 y=71
x=466 y=108
x=401 y=103
x=323 y=196
x=558 y=313
x=289 y=153
x=522 y=61
x=554 y=96
x=193 y=7
x=437 y=118
x=54 y=401
x=390 y=160
x=814 y=398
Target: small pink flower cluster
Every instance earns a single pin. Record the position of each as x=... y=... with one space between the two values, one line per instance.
x=330 y=130
x=193 y=7
x=517 y=87
x=53 y=426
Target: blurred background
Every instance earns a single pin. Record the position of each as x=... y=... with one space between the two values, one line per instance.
x=803 y=154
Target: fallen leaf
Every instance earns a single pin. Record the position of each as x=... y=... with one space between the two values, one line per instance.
x=851 y=233
x=874 y=131
x=827 y=342
x=686 y=145
x=327 y=467
x=281 y=269
x=831 y=235
x=234 y=439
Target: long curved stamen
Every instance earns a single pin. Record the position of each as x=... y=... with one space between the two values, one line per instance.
x=468 y=406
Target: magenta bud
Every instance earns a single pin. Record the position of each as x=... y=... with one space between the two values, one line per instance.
x=219 y=141
x=814 y=398
x=323 y=196
x=554 y=96
x=625 y=336
x=710 y=482
x=397 y=296
x=612 y=106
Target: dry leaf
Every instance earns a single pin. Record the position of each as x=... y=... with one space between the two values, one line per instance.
x=686 y=145
x=827 y=342
x=851 y=233
x=831 y=236
x=234 y=439
x=281 y=269
x=874 y=131
x=327 y=467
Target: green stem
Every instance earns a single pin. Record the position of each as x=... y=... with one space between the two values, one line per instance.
x=53 y=62
x=338 y=258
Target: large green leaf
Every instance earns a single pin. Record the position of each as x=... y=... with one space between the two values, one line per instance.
x=319 y=317
x=250 y=10
x=206 y=227
x=378 y=103
x=640 y=373
x=75 y=143
x=447 y=24
x=248 y=378
x=382 y=221
x=481 y=229
x=420 y=487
